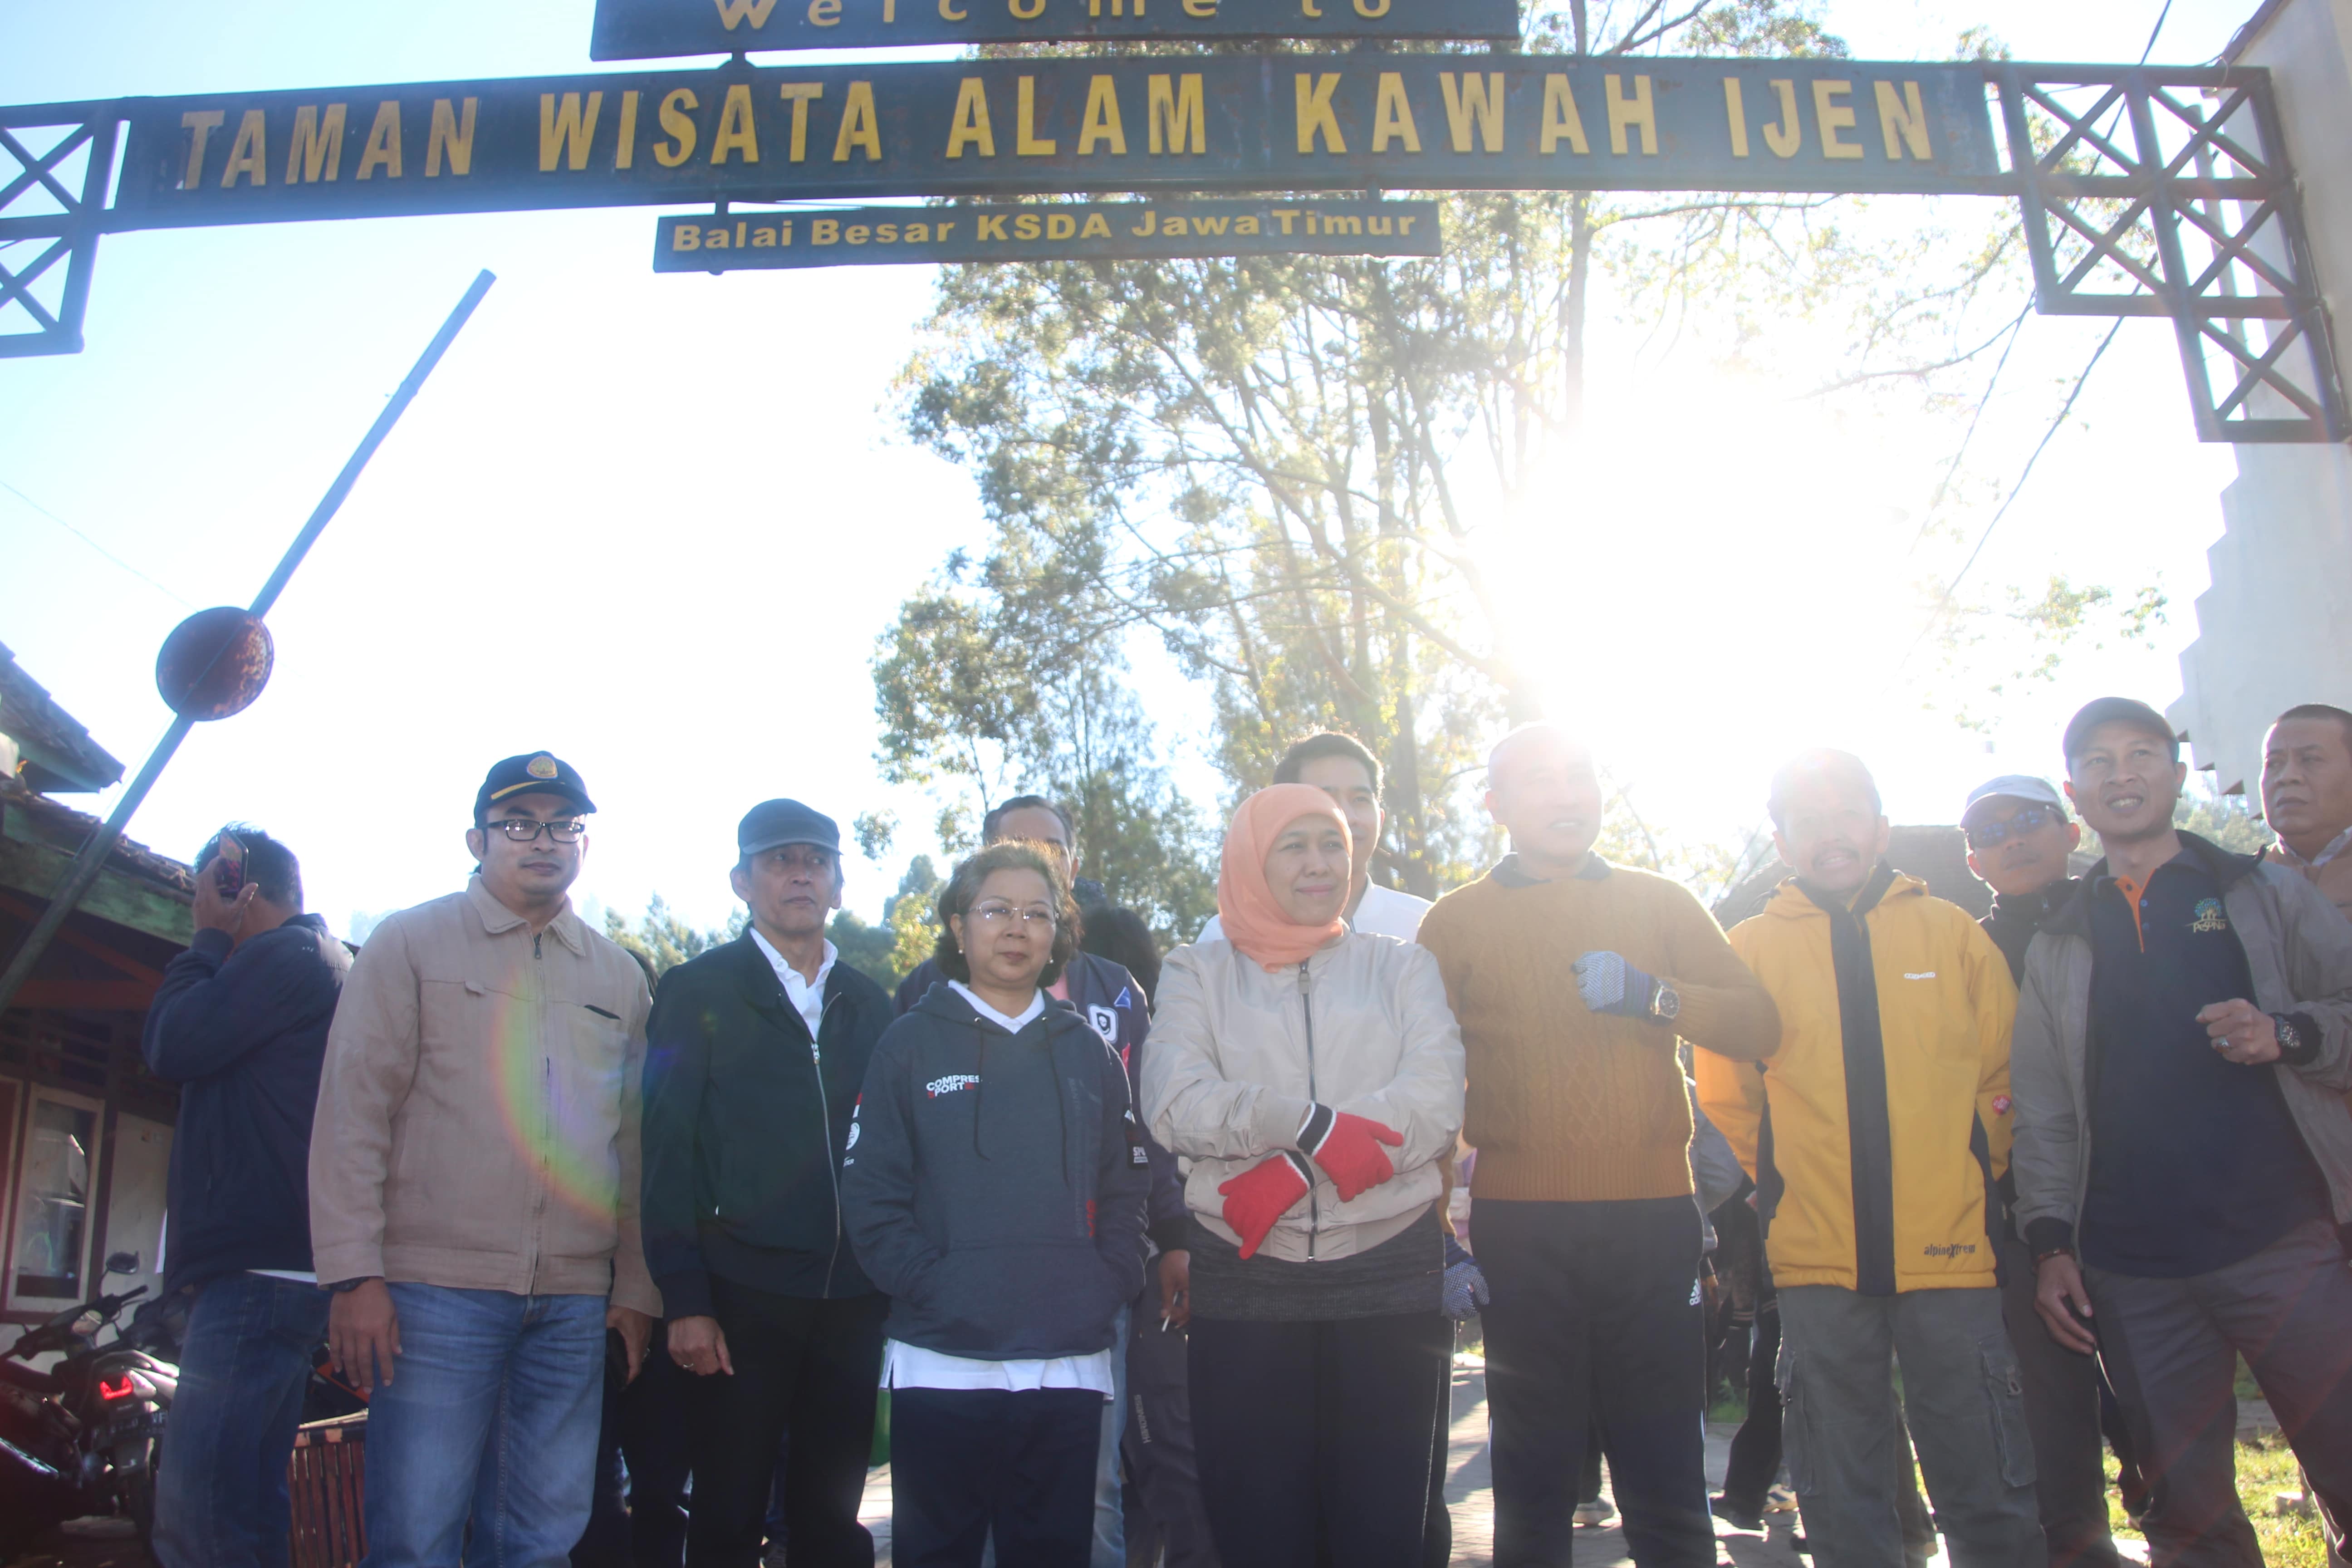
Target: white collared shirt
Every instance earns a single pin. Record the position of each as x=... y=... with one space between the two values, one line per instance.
x=1010 y=1023
x=807 y=996
x=1382 y=911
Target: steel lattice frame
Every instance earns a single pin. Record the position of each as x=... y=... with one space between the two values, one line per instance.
x=2145 y=191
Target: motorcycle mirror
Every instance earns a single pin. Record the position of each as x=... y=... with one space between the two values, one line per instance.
x=123 y=1263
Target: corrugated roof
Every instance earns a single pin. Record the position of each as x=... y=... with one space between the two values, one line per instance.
x=56 y=755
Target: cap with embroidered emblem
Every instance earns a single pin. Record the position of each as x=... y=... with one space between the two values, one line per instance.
x=531 y=773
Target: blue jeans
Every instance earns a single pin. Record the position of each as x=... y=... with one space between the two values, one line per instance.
x=492 y=1412
x=1109 y=1550
x=220 y=1492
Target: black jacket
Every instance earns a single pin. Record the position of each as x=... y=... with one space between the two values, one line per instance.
x=244 y=1034
x=1107 y=996
x=995 y=1183
x=2016 y=918
x=742 y=1133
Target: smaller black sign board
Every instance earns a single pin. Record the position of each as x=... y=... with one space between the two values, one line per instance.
x=660 y=29
x=1040 y=231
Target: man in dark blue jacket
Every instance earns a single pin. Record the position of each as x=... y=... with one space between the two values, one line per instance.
x=240 y=1023
x=756 y=1052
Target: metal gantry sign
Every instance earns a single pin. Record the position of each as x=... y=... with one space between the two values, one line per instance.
x=665 y=30
x=2145 y=190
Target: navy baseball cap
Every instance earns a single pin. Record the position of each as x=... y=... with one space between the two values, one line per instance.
x=2012 y=786
x=533 y=772
x=2116 y=711
x=772 y=824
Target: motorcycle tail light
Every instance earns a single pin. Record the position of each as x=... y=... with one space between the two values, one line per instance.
x=114 y=1388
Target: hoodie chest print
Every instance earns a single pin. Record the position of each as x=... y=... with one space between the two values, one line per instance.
x=952 y=1083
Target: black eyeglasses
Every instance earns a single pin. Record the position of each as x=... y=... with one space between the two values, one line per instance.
x=1993 y=835
x=523 y=830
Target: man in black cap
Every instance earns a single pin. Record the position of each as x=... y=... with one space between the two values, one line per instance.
x=2020 y=835
x=758 y=1052
x=2183 y=1150
x=473 y=1189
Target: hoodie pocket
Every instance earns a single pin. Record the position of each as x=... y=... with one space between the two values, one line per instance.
x=1017 y=1300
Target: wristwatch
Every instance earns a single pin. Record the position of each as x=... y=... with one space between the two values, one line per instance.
x=344 y=1286
x=1666 y=1001
x=2290 y=1039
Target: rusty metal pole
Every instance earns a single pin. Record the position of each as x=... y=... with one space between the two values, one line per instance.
x=92 y=858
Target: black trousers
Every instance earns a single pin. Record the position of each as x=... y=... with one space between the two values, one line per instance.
x=1596 y=1310
x=1314 y=1438
x=1755 y=1446
x=967 y=1463
x=638 y=1519
x=803 y=1366
x=2062 y=1415
x=1163 y=1506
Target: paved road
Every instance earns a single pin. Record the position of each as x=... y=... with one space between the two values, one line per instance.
x=1468 y=1492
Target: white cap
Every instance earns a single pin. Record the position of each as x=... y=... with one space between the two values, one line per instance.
x=2012 y=786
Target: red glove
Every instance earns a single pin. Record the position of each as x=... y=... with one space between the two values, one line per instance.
x=1348 y=1149
x=1261 y=1195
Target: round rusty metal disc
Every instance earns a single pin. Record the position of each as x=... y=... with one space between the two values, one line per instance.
x=215 y=663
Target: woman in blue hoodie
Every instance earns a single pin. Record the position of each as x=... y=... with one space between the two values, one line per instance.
x=995 y=1187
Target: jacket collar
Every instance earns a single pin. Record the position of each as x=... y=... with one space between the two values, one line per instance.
x=763 y=989
x=1510 y=872
x=2227 y=869
x=2039 y=908
x=306 y=923
x=1795 y=900
x=499 y=920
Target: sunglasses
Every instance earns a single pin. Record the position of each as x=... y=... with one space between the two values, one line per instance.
x=1993 y=835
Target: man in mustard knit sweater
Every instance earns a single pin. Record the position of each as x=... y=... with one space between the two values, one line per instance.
x=1571 y=980
x=1875 y=1133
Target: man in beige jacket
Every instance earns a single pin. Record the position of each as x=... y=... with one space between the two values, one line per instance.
x=474 y=1190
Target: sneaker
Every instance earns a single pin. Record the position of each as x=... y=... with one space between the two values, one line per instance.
x=1597 y=1512
x=1779 y=1499
x=1739 y=1518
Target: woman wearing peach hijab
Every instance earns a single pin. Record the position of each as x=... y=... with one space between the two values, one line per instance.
x=1312 y=1077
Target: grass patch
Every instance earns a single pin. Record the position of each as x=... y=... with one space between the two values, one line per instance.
x=2265 y=1468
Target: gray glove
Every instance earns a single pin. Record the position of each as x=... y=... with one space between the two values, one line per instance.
x=1608 y=985
x=1463 y=1290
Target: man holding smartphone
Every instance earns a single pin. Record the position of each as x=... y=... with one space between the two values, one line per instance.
x=2184 y=1154
x=240 y=1024
x=474 y=1190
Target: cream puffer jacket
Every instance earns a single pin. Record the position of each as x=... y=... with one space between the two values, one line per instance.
x=1238 y=1054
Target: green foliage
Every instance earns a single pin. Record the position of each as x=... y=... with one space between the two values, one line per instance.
x=990 y=695
x=1264 y=463
x=912 y=918
x=2228 y=820
x=663 y=940
x=871 y=949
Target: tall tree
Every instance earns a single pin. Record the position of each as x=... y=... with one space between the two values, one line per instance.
x=1276 y=466
x=980 y=703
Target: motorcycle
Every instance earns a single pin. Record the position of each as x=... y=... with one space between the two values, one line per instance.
x=85 y=1436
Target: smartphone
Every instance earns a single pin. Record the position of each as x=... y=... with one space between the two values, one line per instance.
x=231 y=874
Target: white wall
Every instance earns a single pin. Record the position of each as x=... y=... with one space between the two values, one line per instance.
x=2275 y=627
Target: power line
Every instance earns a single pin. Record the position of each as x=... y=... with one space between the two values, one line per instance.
x=2015 y=490
x=94 y=544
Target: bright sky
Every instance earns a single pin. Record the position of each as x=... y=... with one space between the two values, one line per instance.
x=656 y=523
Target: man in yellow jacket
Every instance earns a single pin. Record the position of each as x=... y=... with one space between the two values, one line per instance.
x=1874 y=1135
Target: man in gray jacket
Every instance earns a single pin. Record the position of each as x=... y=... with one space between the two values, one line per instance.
x=2183 y=1152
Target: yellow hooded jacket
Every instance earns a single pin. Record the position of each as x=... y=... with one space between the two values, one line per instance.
x=1874 y=1141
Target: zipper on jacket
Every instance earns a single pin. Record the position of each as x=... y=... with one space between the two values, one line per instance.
x=1306 y=1005
x=825 y=1132
x=546 y=1100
